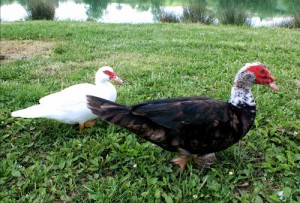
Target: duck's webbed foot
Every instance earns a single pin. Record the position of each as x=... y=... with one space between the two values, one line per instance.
x=182 y=160
x=205 y=160
x=89 y=123
x=86 y=125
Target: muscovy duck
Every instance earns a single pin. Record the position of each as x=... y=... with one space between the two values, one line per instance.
x=196 y=127
x=70 y=105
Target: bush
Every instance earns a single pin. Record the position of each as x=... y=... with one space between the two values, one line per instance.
x=233 y=15
x=296 y=16
x=296 y=21
x=41 y=10
x=168 y=17
x=198 y=14
x=233 y=12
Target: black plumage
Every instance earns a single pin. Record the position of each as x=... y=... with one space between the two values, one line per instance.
x=189 y=125
x=199 y=124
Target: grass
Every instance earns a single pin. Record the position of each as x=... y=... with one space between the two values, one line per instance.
x=46 y=161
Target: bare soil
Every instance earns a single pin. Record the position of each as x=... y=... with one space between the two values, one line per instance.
x=18 y=49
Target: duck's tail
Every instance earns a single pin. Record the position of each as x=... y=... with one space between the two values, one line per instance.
x=35 y=111
x=123 y=116
x=110 y=111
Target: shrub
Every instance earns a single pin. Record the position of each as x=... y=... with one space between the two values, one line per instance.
x=296 y=21
x=233 y=15
x=286 y=24
x=41 y=10
x=233 y=12
x=168 y=17
x=296 y=16
x=198 y=13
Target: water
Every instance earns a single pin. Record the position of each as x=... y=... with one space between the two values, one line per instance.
x=264 y=13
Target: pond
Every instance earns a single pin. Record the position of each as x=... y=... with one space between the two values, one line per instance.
x=259 y=13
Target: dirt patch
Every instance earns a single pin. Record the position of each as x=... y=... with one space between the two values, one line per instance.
x=18 y=49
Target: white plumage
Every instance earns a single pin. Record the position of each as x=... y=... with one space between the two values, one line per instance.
x=70 y=105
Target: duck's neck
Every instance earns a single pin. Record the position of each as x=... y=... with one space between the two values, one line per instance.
x=243 y=102
x=241 y=96
x=101 y=83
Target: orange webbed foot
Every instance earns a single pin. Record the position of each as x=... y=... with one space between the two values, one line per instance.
x=181 y=162
x=89 y=123
x=86 y=125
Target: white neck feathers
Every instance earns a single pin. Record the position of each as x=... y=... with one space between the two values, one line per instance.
x=241 y=91
x=241 y=96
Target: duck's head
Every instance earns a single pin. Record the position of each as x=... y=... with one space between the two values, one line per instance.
x=255 y=73
x=106 y=73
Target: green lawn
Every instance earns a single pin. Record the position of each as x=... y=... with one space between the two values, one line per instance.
x=46 y=161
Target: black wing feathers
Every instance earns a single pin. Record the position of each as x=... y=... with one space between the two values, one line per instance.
x=170 y=114
x=198 y=124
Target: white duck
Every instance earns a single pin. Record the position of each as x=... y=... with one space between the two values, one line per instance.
x=70 y=105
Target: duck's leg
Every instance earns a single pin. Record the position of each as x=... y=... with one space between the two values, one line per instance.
x=182 y=160
x=89 y=123
x=205 y=160
x=81 y=127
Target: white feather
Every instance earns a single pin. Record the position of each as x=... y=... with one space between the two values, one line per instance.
x=70 y=105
